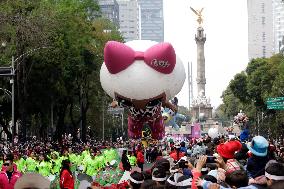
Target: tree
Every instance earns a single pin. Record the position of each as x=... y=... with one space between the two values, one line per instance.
x=61 y=83
x=249 y=90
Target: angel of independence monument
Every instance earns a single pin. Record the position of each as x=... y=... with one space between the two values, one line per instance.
x=201 y=108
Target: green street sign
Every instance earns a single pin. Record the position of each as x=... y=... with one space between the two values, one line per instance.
x=276 y=103
x=275 y=107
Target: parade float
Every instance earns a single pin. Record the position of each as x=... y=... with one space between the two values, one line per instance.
x=241 y=119
x=142 y=76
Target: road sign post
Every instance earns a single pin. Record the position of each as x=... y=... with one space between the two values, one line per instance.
x=115 y=110
x=276 y=103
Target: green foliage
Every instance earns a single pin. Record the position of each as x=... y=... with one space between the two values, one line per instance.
x=238 y=86
x=249 y=90
x=62 y=79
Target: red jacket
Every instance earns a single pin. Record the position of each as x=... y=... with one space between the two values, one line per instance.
x=5 y=183
x=66 y=180
x=140 y=157
x=175 y=156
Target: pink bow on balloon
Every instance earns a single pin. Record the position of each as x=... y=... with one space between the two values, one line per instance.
x=119 y=56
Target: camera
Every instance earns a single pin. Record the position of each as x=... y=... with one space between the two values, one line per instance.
x=183 y=164
x=211 y=159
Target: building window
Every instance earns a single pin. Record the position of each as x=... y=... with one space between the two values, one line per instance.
x=263 y=20
x=264 y=51
x=263 y=37
x=262 y=8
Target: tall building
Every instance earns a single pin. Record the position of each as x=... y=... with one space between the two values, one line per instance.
x=129 y=19
x=278 y=14
x=151 y=20
x=260 y=28
x=110 y=10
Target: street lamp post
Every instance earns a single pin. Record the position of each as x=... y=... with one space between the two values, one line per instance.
x=11 y=72
x=13 y=100
x=122 y=124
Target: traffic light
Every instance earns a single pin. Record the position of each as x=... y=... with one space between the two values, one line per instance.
x=6 y=71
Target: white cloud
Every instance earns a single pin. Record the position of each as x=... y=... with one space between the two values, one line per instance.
x=226 y=54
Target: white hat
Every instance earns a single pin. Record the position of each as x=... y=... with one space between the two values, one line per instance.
x=32 y=180
x=177 y=145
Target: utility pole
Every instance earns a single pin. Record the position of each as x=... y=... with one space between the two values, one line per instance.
x=10 y=72
x=189 y=86
x=13 y=100
x=122 y=123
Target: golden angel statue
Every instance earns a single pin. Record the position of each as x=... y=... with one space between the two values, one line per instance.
x=199 y=14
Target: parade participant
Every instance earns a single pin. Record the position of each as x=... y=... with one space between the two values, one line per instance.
x=99 y=160
x=140 y=157
x=9 y=177
x=125 y=161
x=109 y=155
x=44 y=166
x=67 y=180
x=91 y=166
x=55 y=163
x=21 y=164
x=154 y=154
x=132 y=158
x=74 y=159
x=31 y=163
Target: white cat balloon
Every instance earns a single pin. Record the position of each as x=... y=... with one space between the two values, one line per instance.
x=142 y=76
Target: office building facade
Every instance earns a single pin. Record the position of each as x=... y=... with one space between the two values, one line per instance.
x=278 y=14
x=260 y=28
x=151 y=20
x=129 y=19
x=110 y=10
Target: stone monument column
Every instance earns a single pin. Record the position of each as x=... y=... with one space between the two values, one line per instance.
x=200 y=39
x=201 y=106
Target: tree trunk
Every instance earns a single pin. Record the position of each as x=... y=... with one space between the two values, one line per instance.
x=84 y=123
x=74 y=123
x=60 y=121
